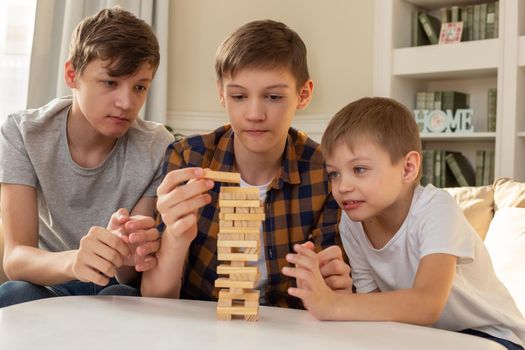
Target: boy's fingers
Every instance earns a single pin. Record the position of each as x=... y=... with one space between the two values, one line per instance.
x=330 y=253
x=144 y=236
x=335 y=267
x=139 y=222
x=148 y=248
x=118 y=218
x=110 y=240
x=302 y=294
x=338 y=282
x=309 y=244
x=177 y=177
x=148 y=263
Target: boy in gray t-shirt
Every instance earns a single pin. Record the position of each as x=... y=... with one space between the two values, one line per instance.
x=79 y=175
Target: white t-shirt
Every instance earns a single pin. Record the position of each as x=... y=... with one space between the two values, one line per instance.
x=435 y=224
x=261 y=263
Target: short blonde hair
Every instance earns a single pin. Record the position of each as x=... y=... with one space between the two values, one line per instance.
x=381 y=120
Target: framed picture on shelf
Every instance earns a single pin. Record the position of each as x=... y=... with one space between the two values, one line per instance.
x=450 y=33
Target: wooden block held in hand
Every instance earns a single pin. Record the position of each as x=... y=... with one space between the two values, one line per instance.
x=222 y=176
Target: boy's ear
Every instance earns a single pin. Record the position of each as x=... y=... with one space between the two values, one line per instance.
x=220 y=90
x=411 y=167
x=69 y=74
x=305 y=94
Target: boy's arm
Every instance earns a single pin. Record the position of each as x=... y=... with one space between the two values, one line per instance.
x=23 y=260
x=180 y=195
x=422 y=304
x=326 y=239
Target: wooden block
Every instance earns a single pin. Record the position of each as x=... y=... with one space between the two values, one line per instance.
x=251 y=304
x=225 y=269
x=238 y=203
x=225 y=223
x=246 y=295
x=238 y=244
x=237 y=257
x=242 y=230
x=257 y=210
x=244 y=190
x=247 y=217
x=227 y=209
x=238 y=310
x=221 y=236
x=251 y=236
x=237 y=263
x=244 y=277
x=251 y=250
x=224 y=303
x=240 y=210
x=222 y=176
x=227 y=283
x=224 y=250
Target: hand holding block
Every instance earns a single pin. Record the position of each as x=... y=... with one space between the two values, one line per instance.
x=222 y=176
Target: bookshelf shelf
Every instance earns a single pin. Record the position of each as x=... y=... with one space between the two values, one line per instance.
x=448 y=61
x=459 y=137
x=471 y=67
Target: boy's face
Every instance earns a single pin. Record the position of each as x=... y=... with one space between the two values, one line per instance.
x=364 y=181
x=261 y=105
x=109 y=104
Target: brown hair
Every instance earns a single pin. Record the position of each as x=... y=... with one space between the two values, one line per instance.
x=383 y=120
x=263 y=44
x=118 y=36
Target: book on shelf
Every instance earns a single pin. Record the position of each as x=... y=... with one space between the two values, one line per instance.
x=470 y=22
x=490 y=32
x=484 y=167
x=431 y=26
x=454 y=100
x=444 y=15
x=461 y=169
x=482 y=21
x=492 y=104
x=419 y=37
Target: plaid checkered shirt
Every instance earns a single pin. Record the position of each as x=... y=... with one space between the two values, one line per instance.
x=299 y=207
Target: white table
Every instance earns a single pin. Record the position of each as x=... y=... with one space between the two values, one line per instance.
x=148 y=323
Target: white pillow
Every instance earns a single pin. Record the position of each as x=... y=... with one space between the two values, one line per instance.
x=505 y=242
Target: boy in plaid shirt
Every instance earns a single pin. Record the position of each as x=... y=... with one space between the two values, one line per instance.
x=262 y=78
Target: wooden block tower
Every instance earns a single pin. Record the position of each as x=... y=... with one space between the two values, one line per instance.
x=238 y=243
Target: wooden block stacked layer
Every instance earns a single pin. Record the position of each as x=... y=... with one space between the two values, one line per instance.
x=238 y=242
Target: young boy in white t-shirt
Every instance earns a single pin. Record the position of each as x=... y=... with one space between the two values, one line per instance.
x=414 y=256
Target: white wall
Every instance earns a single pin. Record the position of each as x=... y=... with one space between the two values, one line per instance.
x=338 y=35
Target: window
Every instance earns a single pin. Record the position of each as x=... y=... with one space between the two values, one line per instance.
x=17 y=21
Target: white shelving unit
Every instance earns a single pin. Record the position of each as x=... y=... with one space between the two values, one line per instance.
x=472 y=67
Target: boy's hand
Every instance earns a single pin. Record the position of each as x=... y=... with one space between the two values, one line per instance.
x=335 y=271
x=100 y=254
x=141 y=236
x=180 y=195
x=317 y=297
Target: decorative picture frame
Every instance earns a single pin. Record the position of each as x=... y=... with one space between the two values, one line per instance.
x=450 y=33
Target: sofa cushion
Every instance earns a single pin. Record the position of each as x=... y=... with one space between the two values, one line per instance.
x=477 y=204
x=508 y=193
x=506 y=243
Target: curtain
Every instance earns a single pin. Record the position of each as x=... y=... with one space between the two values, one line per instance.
x=54 y=23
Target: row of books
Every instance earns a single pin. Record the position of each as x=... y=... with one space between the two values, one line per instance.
x=451 y=169
x=480 y=21
x=441 y=100
x=446 y=169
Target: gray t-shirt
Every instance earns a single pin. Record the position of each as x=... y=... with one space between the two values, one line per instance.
x=71 y=199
